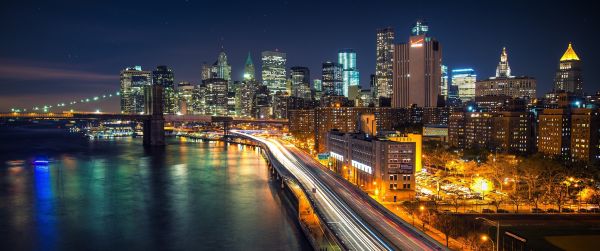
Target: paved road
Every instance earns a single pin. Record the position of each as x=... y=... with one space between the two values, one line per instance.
x=357 y=220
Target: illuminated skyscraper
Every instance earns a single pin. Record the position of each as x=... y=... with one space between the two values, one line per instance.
x=383 y=64
x=221 y=68
x=133 y=82
x=464 y=80
x=164 y=77
x=350 y=74
x=444 y=83
x=332 y=81
x=300 y=80
x=249 y=70
x=417 y=70
x=503 y=69
x=568 y=76
x=504 y=84
x=273 y=70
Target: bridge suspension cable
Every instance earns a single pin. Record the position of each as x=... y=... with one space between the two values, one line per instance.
x=73 y=102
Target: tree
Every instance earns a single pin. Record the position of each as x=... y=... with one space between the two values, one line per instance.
x=446 y=224
x=456 y=202
x=595 y=198
x=515 y=200
x=411 y=208
x=497 y=201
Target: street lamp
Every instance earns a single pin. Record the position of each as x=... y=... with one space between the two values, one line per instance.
x=493 y=223
x=485 y=238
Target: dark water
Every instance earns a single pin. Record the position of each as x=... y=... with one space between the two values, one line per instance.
x=116 y=195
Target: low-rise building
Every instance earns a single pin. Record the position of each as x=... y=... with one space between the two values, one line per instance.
x=381 y=166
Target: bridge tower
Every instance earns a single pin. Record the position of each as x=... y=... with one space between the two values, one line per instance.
x=154 y=124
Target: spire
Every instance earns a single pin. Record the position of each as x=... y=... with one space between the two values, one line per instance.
x=503 y=69
x=249 y=60
x=249 y=68
x=420 y=28
x=569 y=54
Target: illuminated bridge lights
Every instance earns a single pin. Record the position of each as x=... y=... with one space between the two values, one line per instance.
x=45 y=108
x=362 y=167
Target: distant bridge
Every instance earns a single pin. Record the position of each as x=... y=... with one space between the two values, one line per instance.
x=141 y=117
x=153 y=117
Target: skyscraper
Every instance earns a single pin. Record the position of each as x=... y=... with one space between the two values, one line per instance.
x=273 y=70
x=350 y=74
x=505 y=84
x=216 y=96
x=221 y=68
x=568 y=76
x=503 y=69
x=417 y=70
x=332 y=81
x=249 y=70
x=444 y=83
x=164 y=77
x=383 y=65
x=133 y=82
x=300 y=80
x=464 y=80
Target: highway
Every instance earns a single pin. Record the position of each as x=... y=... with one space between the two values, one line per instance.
x=357 y=220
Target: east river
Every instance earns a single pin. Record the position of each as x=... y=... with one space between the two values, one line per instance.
x=114 y=194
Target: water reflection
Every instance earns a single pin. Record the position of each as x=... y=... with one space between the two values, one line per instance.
x=116 y=195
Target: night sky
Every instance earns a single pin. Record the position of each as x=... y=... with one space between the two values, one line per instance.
x=55 y=51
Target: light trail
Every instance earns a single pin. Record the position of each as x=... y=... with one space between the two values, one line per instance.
x=359 y=223
x=353 y=232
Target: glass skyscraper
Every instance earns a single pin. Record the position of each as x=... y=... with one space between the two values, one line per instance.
x=332 y=81
x=383 y=65
x=273 y=70
x=464 y=80
x=350 y=74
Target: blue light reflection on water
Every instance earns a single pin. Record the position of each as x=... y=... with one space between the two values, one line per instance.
x=44 y=205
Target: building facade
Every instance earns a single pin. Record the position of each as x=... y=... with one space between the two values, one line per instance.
x=133 y=82
x=377 y=165
x=384 y=51
x=464 y=80
x=350 y=74
x=165 y=77
x=300 y=82
x=332 y=79
x=506 y=84
x=569 y=76
x=417 y=70
x=273 y=70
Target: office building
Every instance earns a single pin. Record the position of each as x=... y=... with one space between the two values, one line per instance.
x=164 y=77
x=273 y=71
x=350 y=74
x=216 y=96
x=569 y=76
x=332 y=79
x=133 y=82
x=383 y=167
x=464 y=80
x=505 y=84
x=444 y=82
x=383 y=64
x=300 y=82
x=417 y=70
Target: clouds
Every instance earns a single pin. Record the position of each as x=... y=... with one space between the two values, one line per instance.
x=28 y=72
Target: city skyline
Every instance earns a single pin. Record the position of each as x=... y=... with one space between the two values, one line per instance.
x=82 y=66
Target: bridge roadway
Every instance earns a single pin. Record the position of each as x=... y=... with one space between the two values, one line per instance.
x=358 y=221
x=141 y=117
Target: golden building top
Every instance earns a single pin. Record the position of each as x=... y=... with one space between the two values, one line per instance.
x=569 y=54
